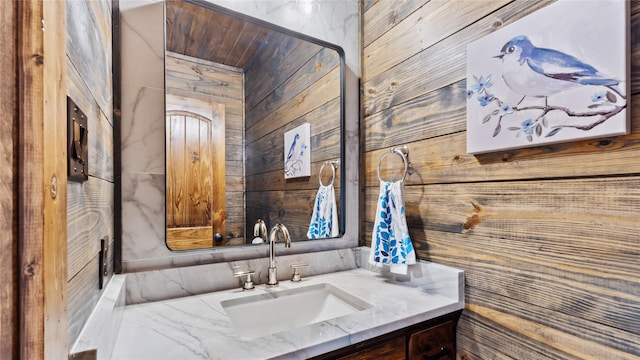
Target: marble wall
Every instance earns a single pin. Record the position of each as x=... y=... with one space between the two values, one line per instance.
x=142 y=147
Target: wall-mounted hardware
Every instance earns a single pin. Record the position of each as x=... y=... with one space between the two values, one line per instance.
x=103 y=269
x=78 y=143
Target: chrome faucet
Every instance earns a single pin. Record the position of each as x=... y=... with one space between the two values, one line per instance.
x=273 y=276
x=260 y=230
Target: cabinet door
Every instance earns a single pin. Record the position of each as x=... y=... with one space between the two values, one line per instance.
x=393 y=349
x=434 y=343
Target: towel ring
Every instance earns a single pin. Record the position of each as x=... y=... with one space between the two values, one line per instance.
x=333 y=173
x=403 y=153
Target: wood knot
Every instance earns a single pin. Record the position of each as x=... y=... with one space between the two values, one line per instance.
x=319 y=66
x=604 y=143
x=458 y=159
x=28 y=270
x=474 y=219
x=471 y=222
x=39 y=58
x=497 y=24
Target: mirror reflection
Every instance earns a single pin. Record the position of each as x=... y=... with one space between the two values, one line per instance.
x=240 y=94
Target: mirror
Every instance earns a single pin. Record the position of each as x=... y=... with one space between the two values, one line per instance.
x=234 y=86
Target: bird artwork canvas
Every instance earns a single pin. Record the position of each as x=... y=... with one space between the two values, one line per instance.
x=559 y=74
x=297 y=152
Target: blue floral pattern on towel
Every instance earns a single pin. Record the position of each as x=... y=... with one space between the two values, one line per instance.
x=324 y=222
x=391 y=243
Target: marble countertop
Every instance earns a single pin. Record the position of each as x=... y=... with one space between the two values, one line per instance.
x=197 y=327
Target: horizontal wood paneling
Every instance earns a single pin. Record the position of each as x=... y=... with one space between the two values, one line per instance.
x=84 y=292
x=434 y=21
x=89 y=47
x=292 y=208
x=99 y=124
x=445 y=159
x=445 y=61
x=305 y=88
x=547 y=236
x=311 y=71
x=316 y=95
x=276 y=62
x=90 y=208
x=379 y=20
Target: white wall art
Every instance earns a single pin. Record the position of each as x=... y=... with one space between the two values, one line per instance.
x=297 y=152
x=560 y=74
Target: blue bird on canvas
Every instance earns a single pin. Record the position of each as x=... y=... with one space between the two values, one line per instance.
x=538 y=72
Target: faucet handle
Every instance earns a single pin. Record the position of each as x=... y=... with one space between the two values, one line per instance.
x=248 y=284
x=296 y=275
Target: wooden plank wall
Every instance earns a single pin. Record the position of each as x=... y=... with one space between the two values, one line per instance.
x=200 y=79
x=289 y=83
x=549 y=238
x=8 y=181
x=90 y=210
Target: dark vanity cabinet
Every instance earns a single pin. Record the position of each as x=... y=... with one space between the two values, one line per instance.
x=434 y=339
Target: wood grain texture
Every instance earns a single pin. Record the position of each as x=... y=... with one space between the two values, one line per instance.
x=31 y=179
x=201 y=80
x=207 y=34
x=56 y=344
x=9 y=319
x=547 y=236
x=380 y=19
x=444 y=158
x=303 y=89
x=289 y=73
x=292 y=208
x=89 y=47
x=84 y=293
x=444 y=61
x=89 y=219
x=434 y=21
x=90 y=205
x=316 y=95
x=99 y=123
x=185 y=238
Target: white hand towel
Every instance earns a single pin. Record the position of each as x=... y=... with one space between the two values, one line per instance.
x=324 y=220
x=390 y=241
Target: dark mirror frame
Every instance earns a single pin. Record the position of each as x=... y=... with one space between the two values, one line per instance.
x=340 y=52
x=350 y=170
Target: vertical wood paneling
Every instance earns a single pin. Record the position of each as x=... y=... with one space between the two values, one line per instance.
x=8 y=182
x=42 y=180
x=551 y=265
x=31 y=179
x=56 y=343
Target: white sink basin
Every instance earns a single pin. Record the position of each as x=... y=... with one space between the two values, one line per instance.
x=264 y=314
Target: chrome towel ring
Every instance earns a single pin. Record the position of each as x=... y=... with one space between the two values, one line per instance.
x=403 y=152
x=333 y=172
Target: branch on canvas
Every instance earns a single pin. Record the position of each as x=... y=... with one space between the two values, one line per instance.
x=603 y=106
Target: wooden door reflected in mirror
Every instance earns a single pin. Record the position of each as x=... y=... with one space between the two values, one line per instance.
x=195 y=182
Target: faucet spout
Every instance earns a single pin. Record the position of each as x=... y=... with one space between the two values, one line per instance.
x=260 y=230
x=273 y=236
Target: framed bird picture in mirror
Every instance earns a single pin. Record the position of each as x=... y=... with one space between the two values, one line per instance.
x=559 y=74
x=297 y=152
